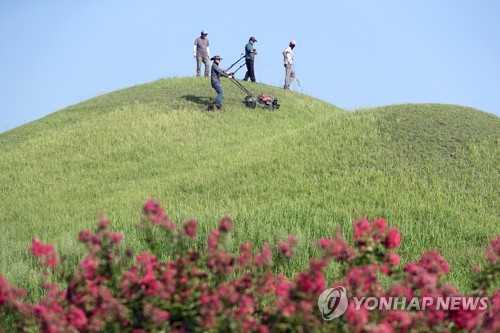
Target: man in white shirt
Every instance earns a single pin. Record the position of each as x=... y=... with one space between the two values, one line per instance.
x=288 y=63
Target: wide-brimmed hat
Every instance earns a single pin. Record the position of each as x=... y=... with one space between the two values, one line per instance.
x=253 y=39
x=216 y=57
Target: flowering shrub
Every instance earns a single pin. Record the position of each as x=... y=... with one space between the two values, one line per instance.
x=213 y=290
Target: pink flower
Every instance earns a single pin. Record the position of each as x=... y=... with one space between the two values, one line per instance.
x=156 y=215
x=190 y=228
x=263 y=329
x=386 y=270
x=115 y=237
x=304 y=283
x=266 y=284
x=8 y=294
x=264 y=258
x=228 y=294
x=213 y=239
x=383 y=327
x=493 y=251
x=287 y=309
x=400 y=290
x=220 y=262
x=84 y=235
x=77 y=317
x=338 y=249
x=361 y=229
x=283 y=285
x=44 y=252
x=393 y=238
x=146 y=259
x=357 y=319
x=466 y=319
x=89 y=266
x=285 y=249
x=152 y=206
x=399 y=319
x=159 y=316
x=378 y=228
x=492 y=314
x=204 y=299
x=391 y=259
x=4 y=291
x=419 y=278
x=324 y=243
x=246 y=305
x=246 y=255
x=363 y=280
x=103 y=224
x=434 y=263
x=225 y=225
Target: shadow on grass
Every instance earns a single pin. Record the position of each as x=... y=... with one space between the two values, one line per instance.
x=198 y=100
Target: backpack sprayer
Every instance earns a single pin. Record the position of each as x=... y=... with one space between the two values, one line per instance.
x=251 y=101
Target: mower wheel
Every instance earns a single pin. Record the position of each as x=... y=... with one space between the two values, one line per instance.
x=250 y=102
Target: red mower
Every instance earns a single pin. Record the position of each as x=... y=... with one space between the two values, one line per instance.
x=251 y=101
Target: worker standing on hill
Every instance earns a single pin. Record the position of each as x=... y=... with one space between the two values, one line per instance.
x=215 y=75
x=201 y=52
x=288 y=63
x=250 y=53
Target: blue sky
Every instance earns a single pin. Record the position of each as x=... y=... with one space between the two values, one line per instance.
x=351 y=53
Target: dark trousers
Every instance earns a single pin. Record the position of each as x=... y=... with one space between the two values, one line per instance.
x=250 y=72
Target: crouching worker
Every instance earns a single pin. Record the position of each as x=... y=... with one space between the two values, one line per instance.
x=215 y=75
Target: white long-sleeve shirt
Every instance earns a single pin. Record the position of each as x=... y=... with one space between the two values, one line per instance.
x=288 y=56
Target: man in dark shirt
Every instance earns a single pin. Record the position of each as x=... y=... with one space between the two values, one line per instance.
x=215 y=75
x=250 y=53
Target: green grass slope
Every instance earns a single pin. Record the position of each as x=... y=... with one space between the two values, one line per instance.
x=431 y=170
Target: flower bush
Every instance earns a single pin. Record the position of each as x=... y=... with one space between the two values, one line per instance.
x=212 y=290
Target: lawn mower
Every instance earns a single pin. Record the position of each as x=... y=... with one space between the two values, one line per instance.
x=251 y=101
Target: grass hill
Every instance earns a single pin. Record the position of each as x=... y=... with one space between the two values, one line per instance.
x=431 y=170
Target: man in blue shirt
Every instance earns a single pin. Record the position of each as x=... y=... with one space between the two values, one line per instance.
x=215 y=75
x=250 y=53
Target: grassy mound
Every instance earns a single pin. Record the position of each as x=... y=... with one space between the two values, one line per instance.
x=430 y=170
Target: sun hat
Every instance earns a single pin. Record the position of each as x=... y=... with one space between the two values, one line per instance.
x=216 y=57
